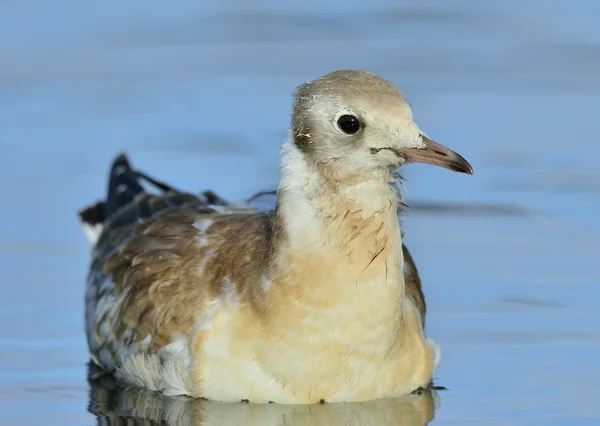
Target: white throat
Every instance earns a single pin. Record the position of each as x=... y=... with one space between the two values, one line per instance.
x=308 y=201
x=350 y=224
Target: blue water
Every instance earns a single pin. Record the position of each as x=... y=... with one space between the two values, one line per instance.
x=199 y=93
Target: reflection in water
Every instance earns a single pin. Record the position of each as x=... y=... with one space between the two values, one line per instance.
x=114 y=405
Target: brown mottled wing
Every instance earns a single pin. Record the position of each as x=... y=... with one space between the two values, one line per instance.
x=108 y=293
x=146 y=283
x=412 y=283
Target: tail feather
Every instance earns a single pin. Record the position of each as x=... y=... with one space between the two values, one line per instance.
x=122 y=201
x=123 y=187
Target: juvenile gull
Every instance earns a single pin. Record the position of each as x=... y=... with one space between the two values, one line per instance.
x=317 y=300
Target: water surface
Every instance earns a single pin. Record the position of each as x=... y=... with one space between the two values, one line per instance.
x=199 y=94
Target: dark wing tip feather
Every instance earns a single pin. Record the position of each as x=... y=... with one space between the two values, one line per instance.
x=214 y=199
x=93 y=214
x=123 y=185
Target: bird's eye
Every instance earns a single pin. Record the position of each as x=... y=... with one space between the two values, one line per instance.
x=349 y=124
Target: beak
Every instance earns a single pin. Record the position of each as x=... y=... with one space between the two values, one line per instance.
x=437 y=155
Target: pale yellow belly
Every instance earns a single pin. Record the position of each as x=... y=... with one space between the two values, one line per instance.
x=234 y=360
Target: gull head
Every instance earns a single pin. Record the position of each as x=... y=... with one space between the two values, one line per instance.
x=353 y=124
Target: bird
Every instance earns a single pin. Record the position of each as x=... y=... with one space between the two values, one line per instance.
x=316 y=300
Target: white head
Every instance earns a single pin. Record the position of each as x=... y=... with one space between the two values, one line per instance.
x=353 y=125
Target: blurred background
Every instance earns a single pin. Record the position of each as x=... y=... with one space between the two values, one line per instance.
x=198 y=94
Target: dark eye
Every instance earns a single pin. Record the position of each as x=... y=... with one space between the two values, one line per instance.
x=349 y=124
